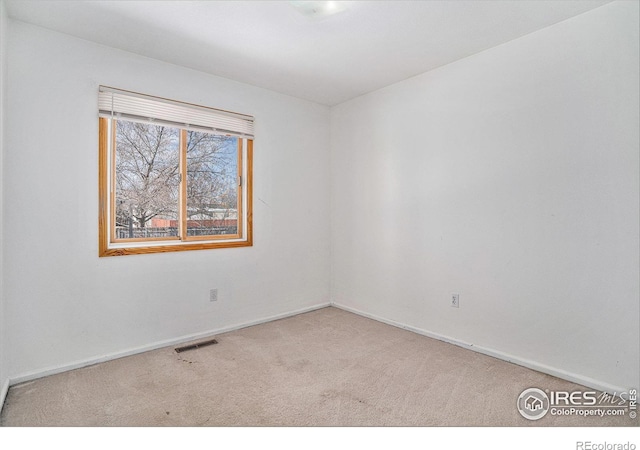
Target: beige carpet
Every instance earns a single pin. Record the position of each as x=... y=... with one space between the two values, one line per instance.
x=323 y=368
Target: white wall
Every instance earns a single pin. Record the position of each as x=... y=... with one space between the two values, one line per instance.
x=4 y=372
x=66 y=304
x=511 y=178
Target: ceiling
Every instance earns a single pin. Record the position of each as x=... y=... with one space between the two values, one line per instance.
x=271 y=44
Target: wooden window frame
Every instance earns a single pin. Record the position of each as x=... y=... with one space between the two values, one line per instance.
x=109 y=245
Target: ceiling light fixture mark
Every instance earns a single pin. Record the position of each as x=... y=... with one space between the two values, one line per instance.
x=318 y=10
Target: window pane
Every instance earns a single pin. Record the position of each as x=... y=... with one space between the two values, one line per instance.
x=147 y=180
x=212 y=184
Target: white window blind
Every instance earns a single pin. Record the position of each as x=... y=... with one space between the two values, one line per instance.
x=120 y=104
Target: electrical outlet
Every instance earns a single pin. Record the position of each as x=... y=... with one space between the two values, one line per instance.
x=455 y=300
x=213 y=295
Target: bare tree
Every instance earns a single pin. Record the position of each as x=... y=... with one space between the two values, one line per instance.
x=148 y=173
x=211 y=174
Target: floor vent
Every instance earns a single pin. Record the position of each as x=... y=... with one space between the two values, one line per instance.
x=196 y=345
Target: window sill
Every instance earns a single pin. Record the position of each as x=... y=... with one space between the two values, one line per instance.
x=162 y=247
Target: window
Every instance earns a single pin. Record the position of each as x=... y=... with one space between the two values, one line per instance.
x=172 y=176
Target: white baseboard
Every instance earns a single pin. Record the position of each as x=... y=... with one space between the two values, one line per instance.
x=3 y=393
x=558 y=373
x=145 y=348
